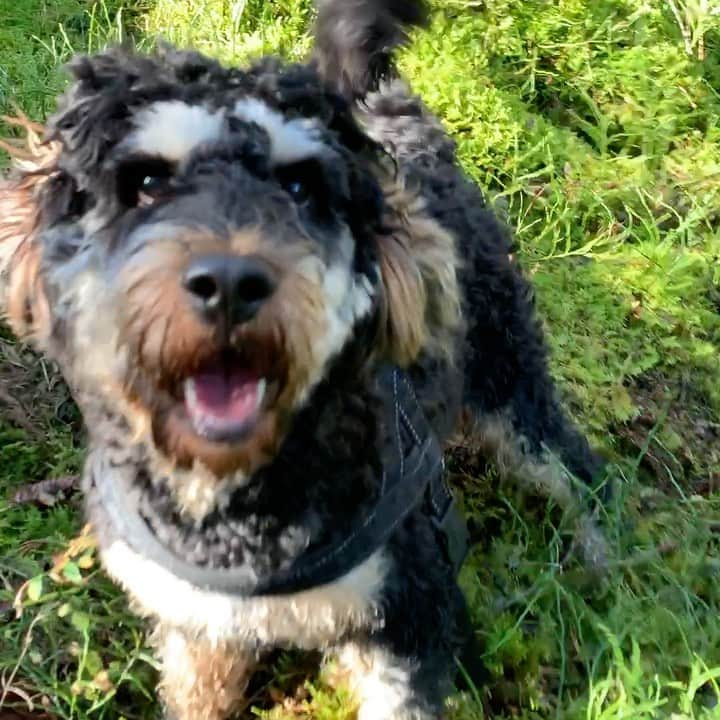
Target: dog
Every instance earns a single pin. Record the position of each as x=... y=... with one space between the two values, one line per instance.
x=276 y=299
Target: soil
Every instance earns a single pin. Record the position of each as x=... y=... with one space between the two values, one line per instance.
x=33 y=396
x=676 y=433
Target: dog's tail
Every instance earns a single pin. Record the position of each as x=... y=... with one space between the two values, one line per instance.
x=355 y=40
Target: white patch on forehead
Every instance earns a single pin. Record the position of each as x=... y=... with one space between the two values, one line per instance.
x=172 y=129
x=290 y=140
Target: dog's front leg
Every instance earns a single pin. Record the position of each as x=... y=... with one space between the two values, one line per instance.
x=200 y=680
x=384 y=685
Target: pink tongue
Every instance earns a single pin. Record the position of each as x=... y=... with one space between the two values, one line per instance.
x=225 y=396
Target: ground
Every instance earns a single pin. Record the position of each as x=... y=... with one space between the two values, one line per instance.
x=594 y=127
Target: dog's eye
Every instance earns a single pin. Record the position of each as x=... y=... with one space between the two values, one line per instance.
x=297 y=190
x=143 y=182
x=302 y=181
x=153 y=184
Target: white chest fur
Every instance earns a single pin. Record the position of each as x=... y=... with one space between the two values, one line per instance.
x=310 y=619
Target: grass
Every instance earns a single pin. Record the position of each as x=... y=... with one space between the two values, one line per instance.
x=595 y=128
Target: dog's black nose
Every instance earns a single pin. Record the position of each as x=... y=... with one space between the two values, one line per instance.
x=228 y=286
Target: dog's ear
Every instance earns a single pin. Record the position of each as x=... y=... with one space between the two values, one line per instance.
x=22 y=297
x=355 y=41
x=421 y=308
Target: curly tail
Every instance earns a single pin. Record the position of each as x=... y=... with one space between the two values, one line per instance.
x=355 y=40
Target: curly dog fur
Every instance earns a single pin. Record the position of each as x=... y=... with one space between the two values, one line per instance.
x=220 y=260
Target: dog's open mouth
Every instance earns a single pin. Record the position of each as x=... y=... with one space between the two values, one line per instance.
x=224 y=409
x=224 y=398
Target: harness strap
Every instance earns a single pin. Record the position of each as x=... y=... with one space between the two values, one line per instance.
x=412 y=475
x=440 y=502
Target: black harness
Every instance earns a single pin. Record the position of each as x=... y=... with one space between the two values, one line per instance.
x=413 y=477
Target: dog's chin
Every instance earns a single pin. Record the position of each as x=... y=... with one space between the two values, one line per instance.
x=223 y=415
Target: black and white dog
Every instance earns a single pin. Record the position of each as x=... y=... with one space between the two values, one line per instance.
x=276 y=297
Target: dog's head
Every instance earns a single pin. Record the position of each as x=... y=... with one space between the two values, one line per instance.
x=196 y=245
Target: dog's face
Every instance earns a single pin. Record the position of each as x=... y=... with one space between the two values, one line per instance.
x=197 y=245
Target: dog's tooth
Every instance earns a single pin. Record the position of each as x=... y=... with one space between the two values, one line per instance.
x=191 y=393
x=260 y=392
x=197 y=416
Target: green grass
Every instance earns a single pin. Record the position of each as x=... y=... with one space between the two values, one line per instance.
x=595 y=128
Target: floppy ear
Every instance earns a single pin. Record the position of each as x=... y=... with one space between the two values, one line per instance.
x=421 y=309
x=22 y=297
